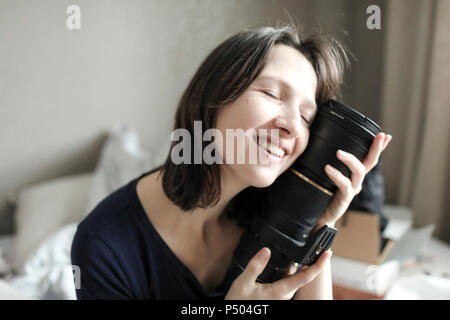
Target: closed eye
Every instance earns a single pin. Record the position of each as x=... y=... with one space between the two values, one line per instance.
x=271 y=95
x=308 y=118
x=308 y=122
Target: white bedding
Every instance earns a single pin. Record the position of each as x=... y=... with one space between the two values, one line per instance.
x=48 y=272
x=8 y=292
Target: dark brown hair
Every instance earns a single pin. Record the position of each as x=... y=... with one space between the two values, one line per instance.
x=221 y=78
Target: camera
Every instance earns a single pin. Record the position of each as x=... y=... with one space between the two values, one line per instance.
x=298 y=197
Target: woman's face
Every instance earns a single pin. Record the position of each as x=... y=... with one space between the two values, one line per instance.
x=282 y=97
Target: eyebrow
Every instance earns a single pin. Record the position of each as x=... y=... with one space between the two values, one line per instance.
x=311 y=104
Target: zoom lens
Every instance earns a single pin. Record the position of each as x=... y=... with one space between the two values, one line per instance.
x=300 y=195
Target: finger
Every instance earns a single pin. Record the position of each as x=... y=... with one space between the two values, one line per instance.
x=256 y=266
x=386 y=141
x=342 y=182
x=356 y=167
x=289 y=285
x=374 y=153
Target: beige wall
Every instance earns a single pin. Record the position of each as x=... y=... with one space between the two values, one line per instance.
x=60 y=90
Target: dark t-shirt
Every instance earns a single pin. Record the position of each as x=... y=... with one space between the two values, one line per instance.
x=121 y=255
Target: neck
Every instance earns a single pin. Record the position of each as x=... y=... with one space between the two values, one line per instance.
x=230 y=187
x=204 y=222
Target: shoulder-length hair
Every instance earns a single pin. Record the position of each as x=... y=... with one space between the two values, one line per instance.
x=221 y=78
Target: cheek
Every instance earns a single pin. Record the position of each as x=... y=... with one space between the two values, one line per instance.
x=259 y=111
x=248 y=112
x=301 y=144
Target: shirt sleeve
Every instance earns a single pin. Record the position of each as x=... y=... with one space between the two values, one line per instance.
x=100 y=272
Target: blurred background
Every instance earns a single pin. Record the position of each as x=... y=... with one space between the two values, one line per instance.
x=63 y=92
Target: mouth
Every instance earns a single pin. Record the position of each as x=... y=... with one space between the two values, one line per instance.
x=272 y=149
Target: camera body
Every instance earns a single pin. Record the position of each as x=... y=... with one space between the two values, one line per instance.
x=299 y=196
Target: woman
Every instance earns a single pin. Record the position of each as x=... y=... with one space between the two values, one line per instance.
x=167 y=234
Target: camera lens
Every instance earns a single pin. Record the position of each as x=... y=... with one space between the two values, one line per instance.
x=296 y=200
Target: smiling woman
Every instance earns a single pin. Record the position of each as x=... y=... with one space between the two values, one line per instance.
x=171 y=232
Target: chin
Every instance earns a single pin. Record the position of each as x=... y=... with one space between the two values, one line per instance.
x=262 y=177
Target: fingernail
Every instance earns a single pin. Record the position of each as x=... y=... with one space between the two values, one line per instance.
x=330 y=254
x=263 y=254
x=329 y=168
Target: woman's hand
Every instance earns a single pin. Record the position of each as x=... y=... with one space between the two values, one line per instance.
x=245 y=286
x=348 y=188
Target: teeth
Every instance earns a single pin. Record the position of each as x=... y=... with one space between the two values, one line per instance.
x=273 y=149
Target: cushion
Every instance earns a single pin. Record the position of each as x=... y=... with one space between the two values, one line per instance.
x=45 y=207
x=121 y=160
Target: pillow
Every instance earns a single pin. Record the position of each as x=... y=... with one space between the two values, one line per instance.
x=45 y=207
x=122 y=159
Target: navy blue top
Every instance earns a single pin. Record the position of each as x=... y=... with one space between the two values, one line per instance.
x=121 y=255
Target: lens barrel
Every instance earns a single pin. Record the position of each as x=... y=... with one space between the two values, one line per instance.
x=300 y=195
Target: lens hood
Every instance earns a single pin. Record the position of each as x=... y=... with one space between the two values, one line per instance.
x=335 y=127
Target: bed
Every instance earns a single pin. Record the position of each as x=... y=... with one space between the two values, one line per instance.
x=35 y=260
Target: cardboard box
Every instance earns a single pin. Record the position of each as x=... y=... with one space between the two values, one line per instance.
x=356 y=280
x=366 y=263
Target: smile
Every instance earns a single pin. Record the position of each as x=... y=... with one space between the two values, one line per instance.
x=271 y=148
x=270 y=151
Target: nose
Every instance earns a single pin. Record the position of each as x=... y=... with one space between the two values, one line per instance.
x=289 y=123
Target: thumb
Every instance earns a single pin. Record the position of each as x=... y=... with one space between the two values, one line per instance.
x=256 y=265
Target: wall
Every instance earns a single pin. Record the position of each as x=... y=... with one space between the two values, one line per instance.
x=60 y=90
